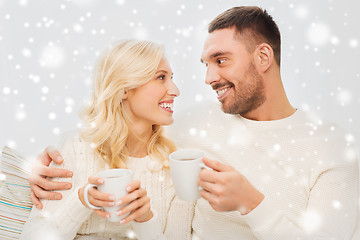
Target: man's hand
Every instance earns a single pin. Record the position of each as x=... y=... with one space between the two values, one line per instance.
x=226 y=189
x=40 y=186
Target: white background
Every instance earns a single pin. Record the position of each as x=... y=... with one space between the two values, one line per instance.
x=48 y=50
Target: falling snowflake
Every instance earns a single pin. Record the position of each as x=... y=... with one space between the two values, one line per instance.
x=311 y=221
x=301 y=12
x=344 y=97
x=20 y=115
x=192 y=131
x=6 y=90
x=354 y=43
x=277 y=147
x=131 y=234
x=52 y=56
x=2 y=177
x=319 y=33
x=199 y=97
x=336 y=204
x=56 y=131
x=52 y=116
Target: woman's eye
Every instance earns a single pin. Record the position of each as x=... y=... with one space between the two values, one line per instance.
x=161 y=77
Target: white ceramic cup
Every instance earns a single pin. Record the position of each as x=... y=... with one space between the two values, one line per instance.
x=185 y=167
x=115 y=182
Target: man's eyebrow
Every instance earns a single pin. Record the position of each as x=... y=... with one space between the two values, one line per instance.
x=215 y=55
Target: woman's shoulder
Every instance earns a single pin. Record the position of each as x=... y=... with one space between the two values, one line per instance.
x=76 y=144
x=77 y=152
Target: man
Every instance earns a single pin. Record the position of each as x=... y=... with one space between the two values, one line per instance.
x=284 y=173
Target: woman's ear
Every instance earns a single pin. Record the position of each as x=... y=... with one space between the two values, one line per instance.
x=264 y=56
x=125 y=95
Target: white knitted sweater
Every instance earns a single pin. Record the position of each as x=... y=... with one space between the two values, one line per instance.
x=69 y=219
x=306 y=168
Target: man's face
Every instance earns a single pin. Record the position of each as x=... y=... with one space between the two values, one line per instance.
x=231 y=73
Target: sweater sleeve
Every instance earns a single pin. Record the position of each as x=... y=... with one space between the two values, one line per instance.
x=179 y=219
x=60 y=219
x=332 y=202
x=178 y=222
x=149 y=230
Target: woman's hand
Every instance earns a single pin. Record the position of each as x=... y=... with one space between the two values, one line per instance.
x=96 y=197
x=138 y=204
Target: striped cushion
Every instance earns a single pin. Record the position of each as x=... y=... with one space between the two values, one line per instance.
x=15 y=203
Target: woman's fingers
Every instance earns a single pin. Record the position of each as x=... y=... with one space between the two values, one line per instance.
x=102 y=213
x=100 y=199
x=134 y=185
x=138 y=203
x=95 y=180
x=131 y=196
x=141 y=214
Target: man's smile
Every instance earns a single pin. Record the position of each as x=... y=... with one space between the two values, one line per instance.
x=223 y=92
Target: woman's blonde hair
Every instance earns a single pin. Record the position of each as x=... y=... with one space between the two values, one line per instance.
x=125 y=66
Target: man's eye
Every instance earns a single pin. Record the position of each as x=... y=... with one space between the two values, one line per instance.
x=220 y=61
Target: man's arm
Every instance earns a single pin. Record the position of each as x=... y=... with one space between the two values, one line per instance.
x=40 y=186
x=331 y=212
x=224 y=189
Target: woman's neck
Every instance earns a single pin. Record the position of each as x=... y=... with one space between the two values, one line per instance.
x=137 y=141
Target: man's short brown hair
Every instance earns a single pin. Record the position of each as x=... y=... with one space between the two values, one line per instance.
x=253 y=25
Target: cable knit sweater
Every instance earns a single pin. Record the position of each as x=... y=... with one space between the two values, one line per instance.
x=306 y=168
x=69 y=219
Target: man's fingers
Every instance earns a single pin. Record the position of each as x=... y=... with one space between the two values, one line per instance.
x=216 y=165
x=49 y=185
x=206 y=195
x=35 y=201
x=207 y=175
x=52 y=172
x=208 y=186
x=42 y=194
x=54 y=154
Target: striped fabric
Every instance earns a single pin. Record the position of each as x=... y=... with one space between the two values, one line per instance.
x=15 y=203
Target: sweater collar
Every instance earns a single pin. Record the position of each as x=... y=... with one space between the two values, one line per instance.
x=288 y=121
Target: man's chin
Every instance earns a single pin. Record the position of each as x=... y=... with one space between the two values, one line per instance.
x=226 y=109
x=230 y=109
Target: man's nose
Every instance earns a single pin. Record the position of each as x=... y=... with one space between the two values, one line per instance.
x=212 y=75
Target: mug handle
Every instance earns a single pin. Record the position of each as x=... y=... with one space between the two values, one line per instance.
x=86 y=199
x=202 y=165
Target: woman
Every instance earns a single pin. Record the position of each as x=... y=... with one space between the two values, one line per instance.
x=133 y=97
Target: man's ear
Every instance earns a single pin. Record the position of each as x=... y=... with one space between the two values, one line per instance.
x=264 y=56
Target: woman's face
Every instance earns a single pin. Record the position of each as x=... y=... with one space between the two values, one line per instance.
x=152 y=103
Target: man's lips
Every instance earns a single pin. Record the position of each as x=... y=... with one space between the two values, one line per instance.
x=223 y=92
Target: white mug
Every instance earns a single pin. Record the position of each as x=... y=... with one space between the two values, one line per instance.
x=115 y=182
x=185 y=167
